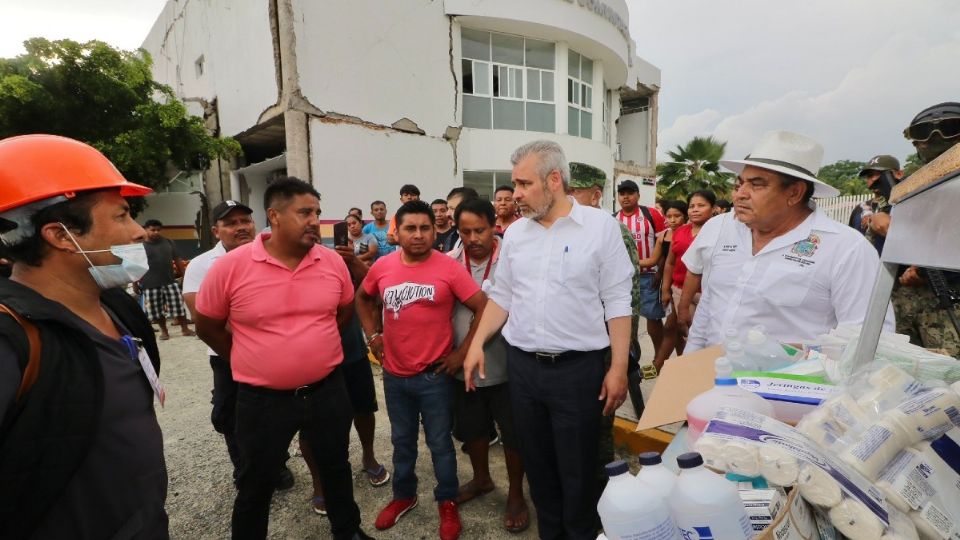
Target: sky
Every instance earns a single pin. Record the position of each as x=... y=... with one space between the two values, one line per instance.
x=849 y=73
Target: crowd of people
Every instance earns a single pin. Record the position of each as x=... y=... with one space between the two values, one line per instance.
x=515 y=320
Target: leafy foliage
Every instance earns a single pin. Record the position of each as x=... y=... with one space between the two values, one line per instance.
x=108 y=99
x=843 y=175
x=912 y=164
x=694 y=166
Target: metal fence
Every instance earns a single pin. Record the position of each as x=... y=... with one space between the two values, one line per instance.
x=839 y=208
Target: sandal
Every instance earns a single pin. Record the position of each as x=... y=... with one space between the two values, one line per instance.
x=378 y=472
x=649 y=372
x=319 y=505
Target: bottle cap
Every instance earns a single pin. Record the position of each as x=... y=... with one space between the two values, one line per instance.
x=616 y=468
x=689 y=460
x=650 y=458
x=723 y=368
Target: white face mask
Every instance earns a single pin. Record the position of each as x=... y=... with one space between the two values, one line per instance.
x=133 y=264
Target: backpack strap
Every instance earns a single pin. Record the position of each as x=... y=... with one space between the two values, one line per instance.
x=32 y=369
x=649 y=217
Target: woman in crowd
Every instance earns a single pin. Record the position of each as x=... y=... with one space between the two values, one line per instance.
x=364 y=245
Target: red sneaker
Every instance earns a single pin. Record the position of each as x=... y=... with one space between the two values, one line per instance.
x=390 y=515
x=449 y=521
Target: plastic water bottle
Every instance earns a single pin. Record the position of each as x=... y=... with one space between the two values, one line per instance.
x=654 y=474
x=725 y=393
x=765 y=351
x=705 y=505
x=629 y=513
x=734 y=352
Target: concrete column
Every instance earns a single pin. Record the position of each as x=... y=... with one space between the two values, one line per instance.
x=598 y=97
x=298 y=144
x=653 y=115
x=560 y=88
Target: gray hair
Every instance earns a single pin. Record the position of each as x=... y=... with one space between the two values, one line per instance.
x=551 y=157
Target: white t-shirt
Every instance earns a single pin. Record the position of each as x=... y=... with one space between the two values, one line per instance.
x=197 y=270
x=800 y=285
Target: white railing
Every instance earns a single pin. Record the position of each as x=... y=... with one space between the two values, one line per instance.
x=839 y=208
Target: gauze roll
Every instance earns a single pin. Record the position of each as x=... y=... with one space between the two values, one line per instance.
x=778 y=466
x=933 y=523
x=875 y=448
x=818 y=487
x=900 y=528
x=741 y=458
x=889 y=376
x=711 y=450
x=856 y=521
x=819 y=427
x=893 y=498
x=847 y=413
x=927 y=415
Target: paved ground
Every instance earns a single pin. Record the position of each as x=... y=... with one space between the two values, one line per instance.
x=201 y=493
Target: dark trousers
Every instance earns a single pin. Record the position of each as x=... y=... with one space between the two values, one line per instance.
x=557 y=417
x=224 y=413
x=266 y=423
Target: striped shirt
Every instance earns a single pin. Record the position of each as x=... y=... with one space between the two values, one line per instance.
x=643 y=233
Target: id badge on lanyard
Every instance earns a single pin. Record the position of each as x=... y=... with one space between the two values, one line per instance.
x=139 y=354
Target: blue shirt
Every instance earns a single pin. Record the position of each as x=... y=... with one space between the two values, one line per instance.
x=381 y=235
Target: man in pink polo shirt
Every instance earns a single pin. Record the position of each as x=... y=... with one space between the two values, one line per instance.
x=283 y=296
x=417 y=287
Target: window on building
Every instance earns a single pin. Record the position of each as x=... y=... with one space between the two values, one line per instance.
x=579 y=95
x=198 y=66
x=486 y=182
x=507 y=82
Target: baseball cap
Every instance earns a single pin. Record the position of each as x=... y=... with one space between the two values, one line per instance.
x=583 y=176
x=882 y=162
x=227 y=206
x=628 y=185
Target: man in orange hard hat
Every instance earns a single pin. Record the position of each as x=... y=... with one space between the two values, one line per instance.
x=81 y=453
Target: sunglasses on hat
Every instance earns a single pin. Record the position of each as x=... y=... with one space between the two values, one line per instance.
x=946 y=127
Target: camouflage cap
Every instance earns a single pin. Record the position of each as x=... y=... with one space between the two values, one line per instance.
x=881 y=163
x=583 y=176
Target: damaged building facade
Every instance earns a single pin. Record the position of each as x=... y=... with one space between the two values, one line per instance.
x=362 y=96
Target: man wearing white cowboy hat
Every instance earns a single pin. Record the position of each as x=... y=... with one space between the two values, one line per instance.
x=780 y=262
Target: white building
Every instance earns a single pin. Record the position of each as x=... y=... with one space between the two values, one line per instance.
x=363 y=96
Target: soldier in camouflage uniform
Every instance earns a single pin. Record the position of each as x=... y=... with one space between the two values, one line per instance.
x=586 y=186
x=919 y=311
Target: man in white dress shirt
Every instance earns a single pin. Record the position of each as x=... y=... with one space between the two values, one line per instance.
x=563 y=280
x=780 y=262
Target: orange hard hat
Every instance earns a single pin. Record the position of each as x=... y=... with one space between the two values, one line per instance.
x=38 y=167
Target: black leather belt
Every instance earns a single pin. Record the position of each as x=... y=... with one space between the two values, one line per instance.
x=553 y=358
x=299 y=391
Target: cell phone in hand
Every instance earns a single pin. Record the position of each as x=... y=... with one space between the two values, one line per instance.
x=340 y=233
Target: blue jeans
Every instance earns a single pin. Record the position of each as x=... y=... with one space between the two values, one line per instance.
x=429 y=396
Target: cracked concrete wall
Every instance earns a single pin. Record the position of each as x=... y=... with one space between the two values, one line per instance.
x=235 y=41
x=377 y=61
x=354 y=165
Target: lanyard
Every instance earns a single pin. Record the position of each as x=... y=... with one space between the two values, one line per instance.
x=132 y=346
x=466 y=262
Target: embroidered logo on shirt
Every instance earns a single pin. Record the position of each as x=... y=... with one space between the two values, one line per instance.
x=806 y=248
x=399 y=296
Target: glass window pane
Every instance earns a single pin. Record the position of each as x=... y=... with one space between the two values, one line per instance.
x=587 y=101
x=476 y=112
x=481 y=78
x=467 y=76
x=573 y=64
x=508 y=49
x=569 y=90
x=482 y=181
x=573 y=120
x=586 y=125
x=540 y=117
x=586 y=70
x=533 y=84
x=475 y=44
x=517 y=83
x=503 y=178
x=546 y=84
x=507 y=114
x=540 y=54
x=497 y=79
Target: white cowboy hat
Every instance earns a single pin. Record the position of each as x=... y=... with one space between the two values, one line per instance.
x=787 y=153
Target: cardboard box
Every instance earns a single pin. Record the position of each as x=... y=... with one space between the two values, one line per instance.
x=795 y=522
x=681 y=379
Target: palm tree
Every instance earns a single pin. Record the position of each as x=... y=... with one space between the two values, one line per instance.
x=692 y=167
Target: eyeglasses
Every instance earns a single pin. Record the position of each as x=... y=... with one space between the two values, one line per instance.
x=946 y=127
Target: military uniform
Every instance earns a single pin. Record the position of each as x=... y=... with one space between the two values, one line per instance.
x=920 y=316
x=584 y=176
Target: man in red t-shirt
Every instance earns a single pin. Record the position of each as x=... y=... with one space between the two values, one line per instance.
x=644 y=223
x=416 y=288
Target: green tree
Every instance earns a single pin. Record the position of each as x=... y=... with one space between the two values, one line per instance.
x=844 y=175
x=107 y=98
x=911 y=165
x=694 y=166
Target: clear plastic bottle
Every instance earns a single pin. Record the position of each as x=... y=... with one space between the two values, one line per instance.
x=725 y=393
x=654 y=474
x=734 y=352
x=764 y=351
x=705 y=504
x=629 y=513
